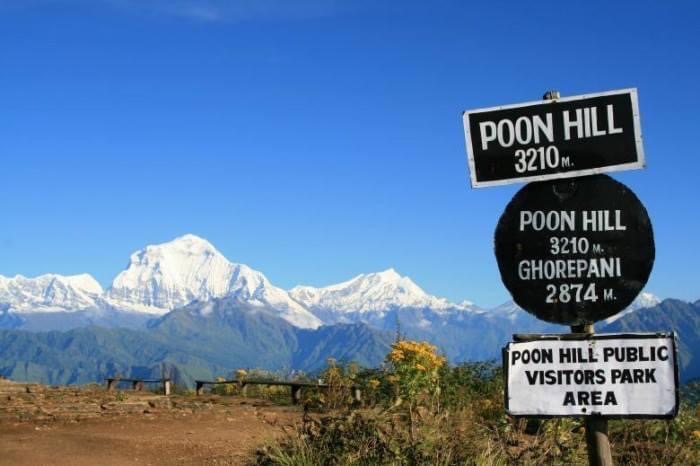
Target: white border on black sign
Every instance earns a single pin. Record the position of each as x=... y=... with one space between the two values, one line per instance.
x=640 y=163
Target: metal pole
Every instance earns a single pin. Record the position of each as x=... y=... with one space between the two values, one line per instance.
x=597 y=442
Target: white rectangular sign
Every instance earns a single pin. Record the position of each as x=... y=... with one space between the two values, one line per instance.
x=617 y=375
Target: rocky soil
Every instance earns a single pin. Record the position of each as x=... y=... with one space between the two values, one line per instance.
x=69 y=425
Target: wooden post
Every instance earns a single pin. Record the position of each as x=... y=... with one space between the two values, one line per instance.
x=296 y=394
x=111 y=383
x=166 y=387
x=137 y=385
x=198 y=387
x=599 y=453
x=597 y=442
x=244 y=389
x=357 y=394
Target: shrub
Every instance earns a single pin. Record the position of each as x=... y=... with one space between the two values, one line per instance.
x=461 y=384
x=455 y=416
x=339 y=378
x=224 y=388
x=414 y=371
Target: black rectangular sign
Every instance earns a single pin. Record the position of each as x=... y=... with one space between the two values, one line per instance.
x=562 y=138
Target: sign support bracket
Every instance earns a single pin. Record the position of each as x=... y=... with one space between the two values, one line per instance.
x=597 y=442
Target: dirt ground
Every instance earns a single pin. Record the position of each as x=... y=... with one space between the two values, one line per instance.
x=90 y=426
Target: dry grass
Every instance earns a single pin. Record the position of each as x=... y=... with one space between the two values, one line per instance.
x=468 y=427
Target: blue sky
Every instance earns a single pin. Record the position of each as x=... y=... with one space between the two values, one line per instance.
x=319 y=140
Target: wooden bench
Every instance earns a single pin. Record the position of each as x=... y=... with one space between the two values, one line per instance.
x=138 y=384
x=296 y=387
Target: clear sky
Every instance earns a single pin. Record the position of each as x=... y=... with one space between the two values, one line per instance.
x=318 y=139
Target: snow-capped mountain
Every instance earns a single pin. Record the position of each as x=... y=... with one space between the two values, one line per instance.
x=158 y=279
x=643 y=301
x=392 y=303
x=163 y=277
x=386 y=301
x=169 y=275
x=508 y=310
x=166 y=276
x=372 y=292
x=512 y=312
x=49 y=293
x=184 y=287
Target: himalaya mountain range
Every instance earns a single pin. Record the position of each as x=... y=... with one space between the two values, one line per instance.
x=183 y=304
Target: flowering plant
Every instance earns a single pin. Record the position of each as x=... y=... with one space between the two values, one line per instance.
x=414 y=369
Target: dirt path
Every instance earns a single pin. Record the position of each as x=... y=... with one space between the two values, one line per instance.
x=35 y=430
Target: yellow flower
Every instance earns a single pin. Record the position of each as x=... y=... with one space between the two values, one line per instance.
x=396 y=355
x=373 y=383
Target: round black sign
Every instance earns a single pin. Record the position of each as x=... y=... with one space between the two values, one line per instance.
x=575 y=251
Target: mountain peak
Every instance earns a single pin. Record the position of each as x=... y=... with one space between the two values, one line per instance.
x=49 y=292
x=511 y=310
x=642 y=301
x=378 y=291
x=172 y=274
x=186 y=245
x=388 y=274
x=83 y=281
x=169 y=275
x=192 y=241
